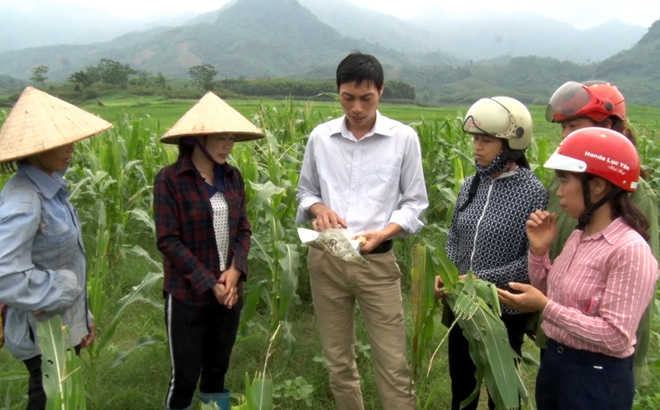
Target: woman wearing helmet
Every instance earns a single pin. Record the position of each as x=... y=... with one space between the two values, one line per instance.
x=594 y=294
x=597 y=103
x=487 y=234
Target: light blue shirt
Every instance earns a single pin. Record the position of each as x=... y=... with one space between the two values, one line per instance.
x=370 y=182
x=42 y=260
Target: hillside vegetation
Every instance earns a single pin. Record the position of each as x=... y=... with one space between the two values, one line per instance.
x=266 y=39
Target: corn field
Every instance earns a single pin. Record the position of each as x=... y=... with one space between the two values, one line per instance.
x=127 y=366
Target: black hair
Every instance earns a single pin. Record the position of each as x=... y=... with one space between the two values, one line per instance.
x=185 y=150
x=360 y=67
x=624 y=207
x=620 y=202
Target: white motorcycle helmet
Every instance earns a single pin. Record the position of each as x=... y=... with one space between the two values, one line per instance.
x=501 y=117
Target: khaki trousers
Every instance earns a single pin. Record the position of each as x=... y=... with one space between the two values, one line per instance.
x=336 y=286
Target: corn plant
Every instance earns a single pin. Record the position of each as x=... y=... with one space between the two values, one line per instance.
x=423 y=311
x=271 y=168
x=111 y=183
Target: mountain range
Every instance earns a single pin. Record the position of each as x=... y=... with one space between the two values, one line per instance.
x=306 y=38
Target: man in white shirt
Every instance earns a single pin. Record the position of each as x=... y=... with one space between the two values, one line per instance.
x=362 y=172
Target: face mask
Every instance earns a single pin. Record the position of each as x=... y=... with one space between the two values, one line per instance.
x=498 y=164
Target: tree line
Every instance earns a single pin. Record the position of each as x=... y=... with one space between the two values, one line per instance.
x=116 y=74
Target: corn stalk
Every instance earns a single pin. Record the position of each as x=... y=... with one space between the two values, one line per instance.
x=423 y=307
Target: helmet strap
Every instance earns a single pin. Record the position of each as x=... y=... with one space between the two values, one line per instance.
x=590 y=208
x=472 y=192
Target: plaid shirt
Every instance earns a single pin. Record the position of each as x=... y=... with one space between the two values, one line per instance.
x=185 y=235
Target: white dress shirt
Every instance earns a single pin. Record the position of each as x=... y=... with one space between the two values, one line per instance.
x=370 y=182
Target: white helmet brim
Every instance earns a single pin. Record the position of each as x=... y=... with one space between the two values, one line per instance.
x=563 y=163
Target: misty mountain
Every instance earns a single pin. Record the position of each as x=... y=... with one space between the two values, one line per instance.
x=282 y=38
x=43 y=23
x=636 y=70
x=483 y=36
x=251 y=38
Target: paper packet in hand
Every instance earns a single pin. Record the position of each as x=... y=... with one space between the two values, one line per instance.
x=336 y=242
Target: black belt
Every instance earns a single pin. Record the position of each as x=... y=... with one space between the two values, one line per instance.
x=382 y=248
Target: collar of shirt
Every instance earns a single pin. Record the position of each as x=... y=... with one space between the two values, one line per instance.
x=611 y=234
x=47 y=185
x=186 y=165
x=380 y=128
x=218 y=181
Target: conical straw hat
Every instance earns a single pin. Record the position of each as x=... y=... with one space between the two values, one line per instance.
x=40 y=122
x=211 y=115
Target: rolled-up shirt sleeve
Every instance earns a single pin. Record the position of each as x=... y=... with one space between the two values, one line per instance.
x=22 y=285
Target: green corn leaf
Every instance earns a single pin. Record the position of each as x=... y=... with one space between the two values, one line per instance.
x=62 y=377
x=476 y=307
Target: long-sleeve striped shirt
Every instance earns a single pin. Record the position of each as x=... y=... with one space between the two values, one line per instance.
x=599 y=287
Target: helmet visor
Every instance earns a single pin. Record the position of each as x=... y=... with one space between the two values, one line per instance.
x=568 y=101
x=563 y=163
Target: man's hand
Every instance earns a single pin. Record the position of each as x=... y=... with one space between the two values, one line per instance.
x=325 y=218
x=371 y=240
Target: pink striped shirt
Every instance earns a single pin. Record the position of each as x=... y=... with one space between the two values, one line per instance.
x=598 y=287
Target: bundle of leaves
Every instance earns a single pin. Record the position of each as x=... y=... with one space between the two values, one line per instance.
x=476 y=307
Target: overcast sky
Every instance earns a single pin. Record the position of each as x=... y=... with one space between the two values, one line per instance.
x=580 y=13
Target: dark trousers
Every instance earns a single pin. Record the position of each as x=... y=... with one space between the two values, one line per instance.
x=572 y=379
x=36 y=393
x=200 y=342
x=462 y=368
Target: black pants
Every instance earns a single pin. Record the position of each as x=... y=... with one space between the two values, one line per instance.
x=200 y=341
x=572 y=379
x=36 y=393
x=462 y=368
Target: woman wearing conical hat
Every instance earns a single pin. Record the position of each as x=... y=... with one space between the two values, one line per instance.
x=42 y=260
x=204 y=235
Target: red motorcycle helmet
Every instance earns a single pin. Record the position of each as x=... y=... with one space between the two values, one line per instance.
x=596 y=100
x=601 y=152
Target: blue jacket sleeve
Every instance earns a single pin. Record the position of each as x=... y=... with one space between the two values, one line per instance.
x=22 y=286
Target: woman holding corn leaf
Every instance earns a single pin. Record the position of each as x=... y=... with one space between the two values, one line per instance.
x=593 y=296
x=487 y=235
